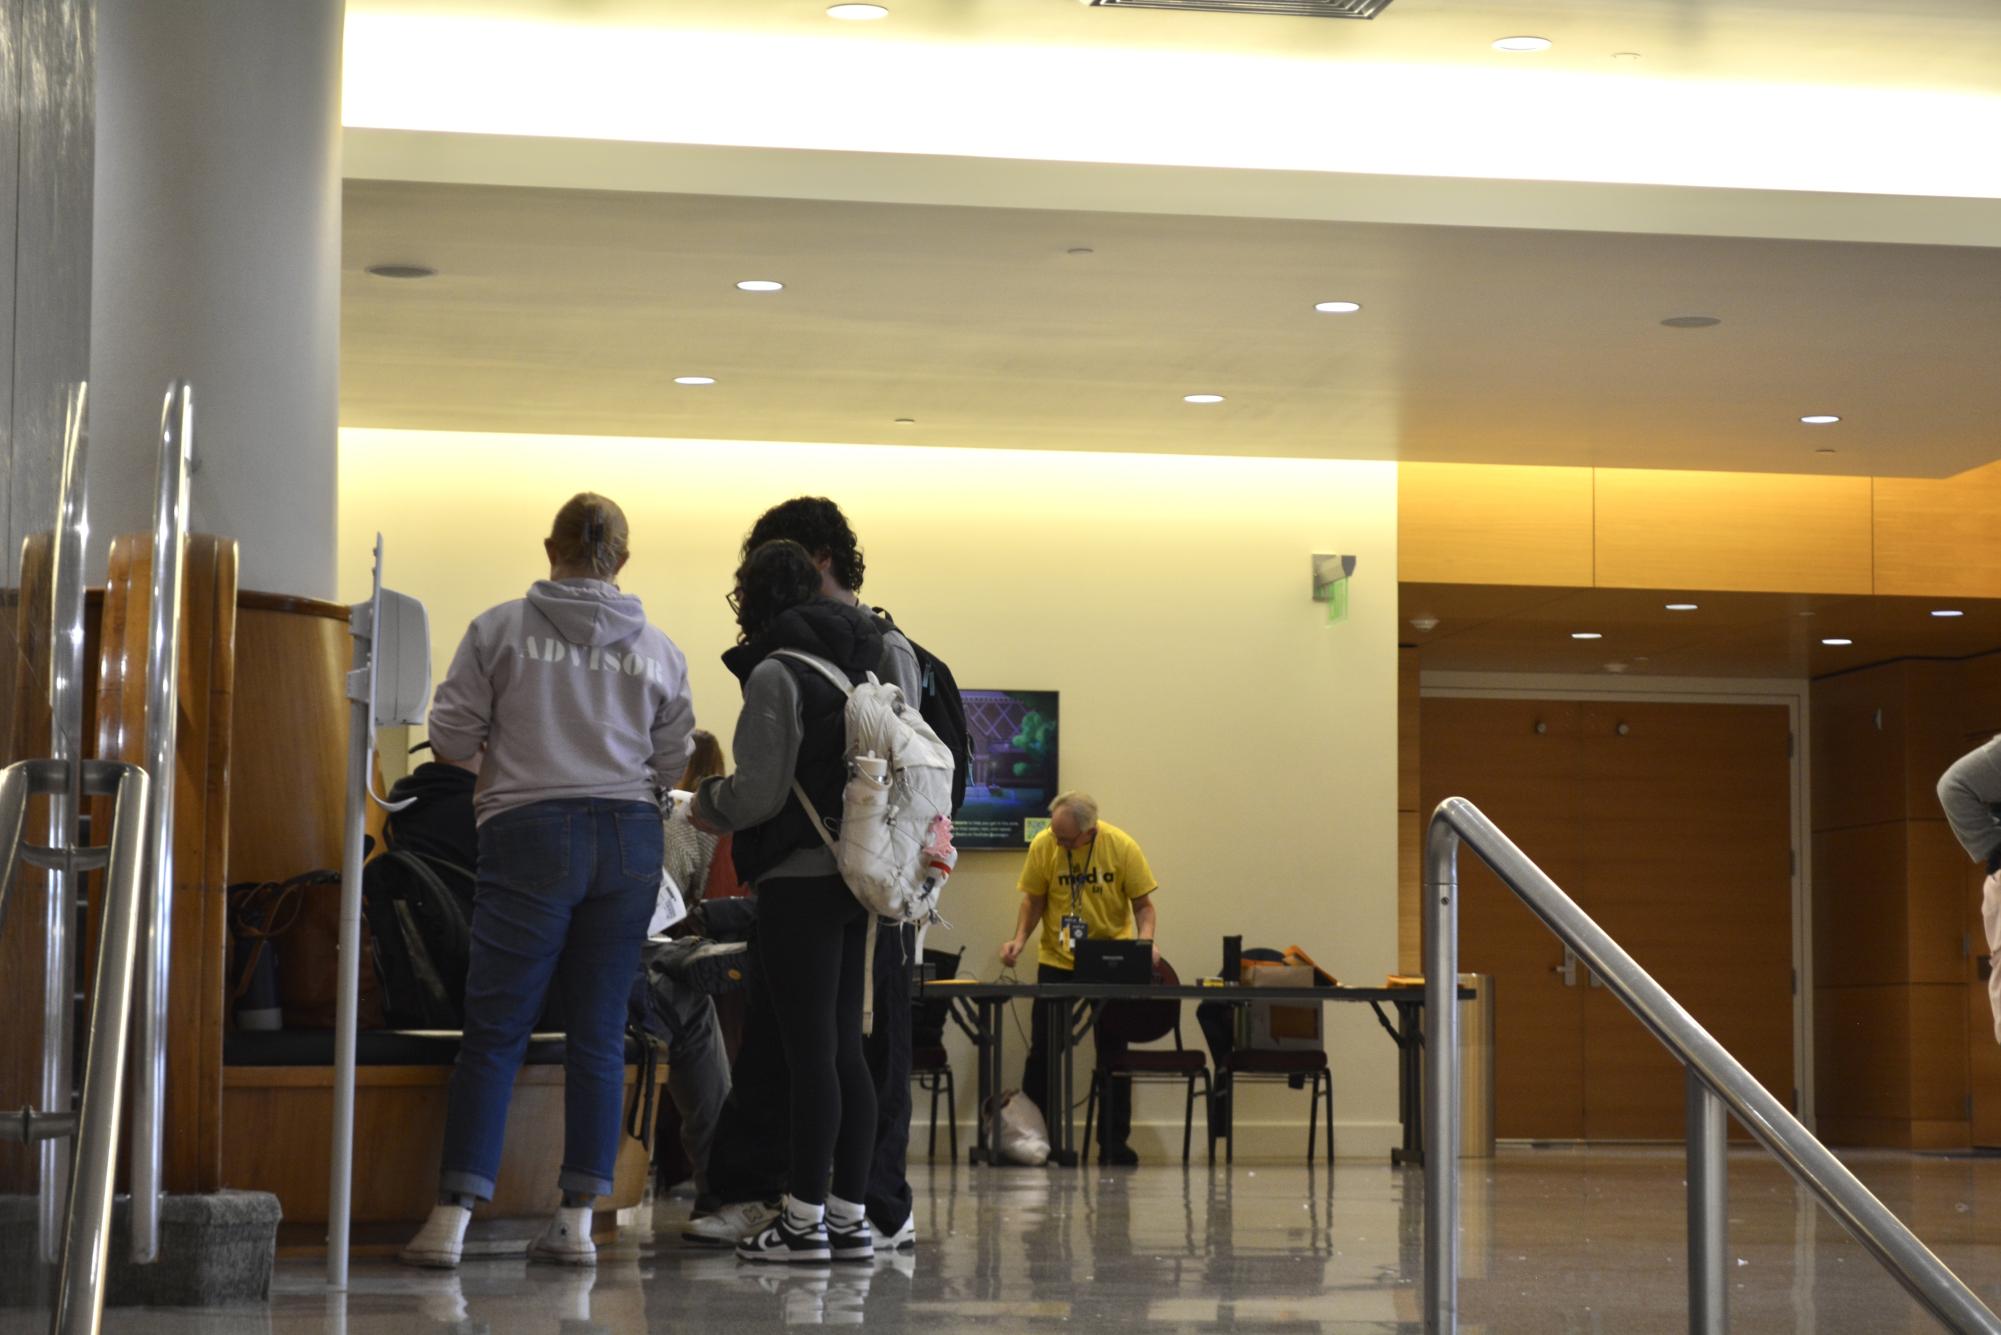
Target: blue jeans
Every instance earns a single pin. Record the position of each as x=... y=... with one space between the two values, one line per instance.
x=566 y=889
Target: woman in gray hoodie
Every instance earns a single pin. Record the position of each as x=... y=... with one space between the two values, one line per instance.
x=579 y=712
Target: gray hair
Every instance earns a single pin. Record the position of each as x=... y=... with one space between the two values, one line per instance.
x=1081 y=805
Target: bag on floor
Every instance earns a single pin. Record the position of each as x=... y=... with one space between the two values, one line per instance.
x=1024 y=1136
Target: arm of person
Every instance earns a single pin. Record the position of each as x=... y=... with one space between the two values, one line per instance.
x=899 y=662
x=1026 y=919
x=766 y=747
x=462 y=706
x=1968 y=791
x=673 y=734
x=1146 y=922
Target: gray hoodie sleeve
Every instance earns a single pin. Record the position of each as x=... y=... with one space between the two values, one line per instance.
x=1968 y=792
x=766 y=747
x=462 y=706
x=673 y=735
x=899 y=667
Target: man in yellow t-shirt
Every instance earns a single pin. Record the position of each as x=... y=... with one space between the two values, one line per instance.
x=1082 y=868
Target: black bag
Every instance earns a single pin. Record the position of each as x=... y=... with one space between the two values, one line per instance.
x=419 y=912
x=941 y=707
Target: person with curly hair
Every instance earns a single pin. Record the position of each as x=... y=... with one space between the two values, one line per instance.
x=810 y=946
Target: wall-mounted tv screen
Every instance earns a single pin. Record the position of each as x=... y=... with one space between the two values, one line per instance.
x=1011 y=736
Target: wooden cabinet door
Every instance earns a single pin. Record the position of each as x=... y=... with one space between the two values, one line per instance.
x=1517 y=760
x=1685 y=858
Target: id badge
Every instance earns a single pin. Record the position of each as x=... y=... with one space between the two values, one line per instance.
x=1075 y=930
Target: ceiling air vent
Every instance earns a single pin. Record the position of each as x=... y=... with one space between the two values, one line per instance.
x=1312 y=9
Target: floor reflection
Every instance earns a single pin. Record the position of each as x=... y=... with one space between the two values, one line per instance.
x=1554 y=1240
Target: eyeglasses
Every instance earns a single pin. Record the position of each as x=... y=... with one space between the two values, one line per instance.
x=735 y=600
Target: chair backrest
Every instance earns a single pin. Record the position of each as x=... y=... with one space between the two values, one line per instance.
x=1143 y=1021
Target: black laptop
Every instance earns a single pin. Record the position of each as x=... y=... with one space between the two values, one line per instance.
x=1124 y=962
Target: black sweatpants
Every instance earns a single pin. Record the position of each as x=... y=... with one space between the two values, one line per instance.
x=744 y=1163
x=811 y=940
x=1116 y=1122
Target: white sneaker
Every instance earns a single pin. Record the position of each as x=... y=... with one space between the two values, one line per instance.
x=441 y=1240
x=904 y=1239
x=729 y=1225
x=567 y=1239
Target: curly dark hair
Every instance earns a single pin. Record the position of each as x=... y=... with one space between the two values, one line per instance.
x=773 y=577
x=817 y=524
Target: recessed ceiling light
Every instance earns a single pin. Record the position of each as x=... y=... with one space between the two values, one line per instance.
x=857 y=13
x=1691 y=322
x=1947 y=612
x=1836 y=642
x=1585 y=635
x=1517 y=45
x=402 y=271
x=1337 y=307
x=1625 y=55
x=1201 y=398
x=1827 y=449
x=1681 y=607
x=760 y=285
x=906 y=421
x=1080 y=250
x=1820 y=419
x=694 y=380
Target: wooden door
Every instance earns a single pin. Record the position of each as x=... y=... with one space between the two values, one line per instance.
x=1518 y=761
x=1685 y=858
x=1674 y=834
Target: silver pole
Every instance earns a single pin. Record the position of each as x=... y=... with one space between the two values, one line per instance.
x=348 y=998
x=1708 y=1210
x=58 y=1090
x=1441 y=1078
x=1941 y=1292
x=163 y=676
x=87 y=1243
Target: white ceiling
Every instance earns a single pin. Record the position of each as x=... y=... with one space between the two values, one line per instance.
x=571 y=311
x=1928 y=44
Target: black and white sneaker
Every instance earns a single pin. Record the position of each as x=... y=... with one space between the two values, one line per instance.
x=851 y=1242
x=780 y=1243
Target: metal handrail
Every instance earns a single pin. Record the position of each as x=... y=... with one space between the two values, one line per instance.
x=58 y=1085
x=1714 y=1077
x=163 y=659
x=85 y=1252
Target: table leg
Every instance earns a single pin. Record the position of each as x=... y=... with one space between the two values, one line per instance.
x=990 y=1025
x=1410 y=1083
x=1062 y=1146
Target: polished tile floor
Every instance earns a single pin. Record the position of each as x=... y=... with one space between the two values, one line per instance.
x=1555 y=1240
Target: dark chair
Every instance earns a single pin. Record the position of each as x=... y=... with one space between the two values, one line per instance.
x=1301 y=1068
x=1143 y=1022
x=930 y=1067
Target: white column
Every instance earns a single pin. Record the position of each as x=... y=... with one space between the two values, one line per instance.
x=216 y=249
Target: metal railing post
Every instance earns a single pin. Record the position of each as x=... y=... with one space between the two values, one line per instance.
x=163 y=675
x=1441 y=1079
x=87 y=1235
x=58 y=1088
x=1708 y=1210
x=1811 y=1163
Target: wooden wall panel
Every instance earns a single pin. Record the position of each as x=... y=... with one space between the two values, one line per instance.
x=200 y=931
x=1859 y=728
x=1935 y=887
x=1746 y=531
x=1936 y=535
x=1409 y=729
x=1859 y=911
x=1493 y=524
x=1410 y=836
x=1936 y=1043
x=1862 y=1053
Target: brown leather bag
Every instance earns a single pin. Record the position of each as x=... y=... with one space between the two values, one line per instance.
x=303 y=927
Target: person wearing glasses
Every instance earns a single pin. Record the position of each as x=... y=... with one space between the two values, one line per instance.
x=1083 y=876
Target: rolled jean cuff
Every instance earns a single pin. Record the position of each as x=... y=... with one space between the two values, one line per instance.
x=588 y=1184
x=462 y=1183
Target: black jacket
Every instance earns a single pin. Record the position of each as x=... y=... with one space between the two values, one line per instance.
x=848 y=638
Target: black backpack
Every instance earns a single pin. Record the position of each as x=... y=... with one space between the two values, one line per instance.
x=419 y=912
x=940 y=706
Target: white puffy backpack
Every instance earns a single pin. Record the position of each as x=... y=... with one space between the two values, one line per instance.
x=894 y=841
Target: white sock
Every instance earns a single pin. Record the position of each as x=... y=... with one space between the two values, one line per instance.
x=845 y=1213
x=802 y=1217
